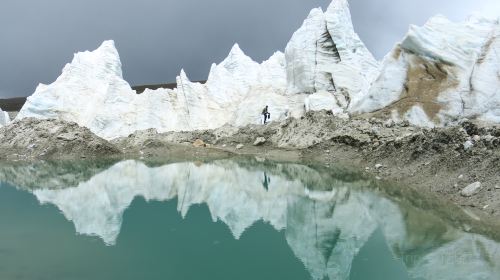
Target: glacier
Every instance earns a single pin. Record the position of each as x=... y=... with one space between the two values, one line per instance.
x=312 y=208
x=437 y=75
x=92 y=92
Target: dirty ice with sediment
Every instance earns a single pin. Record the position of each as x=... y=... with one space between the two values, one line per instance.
x=437 y=75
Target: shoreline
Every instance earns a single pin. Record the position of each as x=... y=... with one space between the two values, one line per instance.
x=432 y=161
x=432 y=166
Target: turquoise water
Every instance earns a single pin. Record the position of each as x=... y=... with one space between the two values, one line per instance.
x=222 y=220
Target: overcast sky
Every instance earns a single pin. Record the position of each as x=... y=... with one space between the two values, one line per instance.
x=156 y=38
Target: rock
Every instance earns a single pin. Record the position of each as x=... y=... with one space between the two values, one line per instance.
x=461 y=176
x=284 y=123
x=199 y=143
x=239 y=146
x=489 y=138
x=467 y=228
x=405 y=123
x=378 y=166
x=389 y=123
x=497 y=187
x=476 y=138
x=259 y=141
x=468 y=144
x=471 y=189
x=260 y=159
x=66 y=137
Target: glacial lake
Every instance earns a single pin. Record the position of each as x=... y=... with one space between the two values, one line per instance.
x=222 y=219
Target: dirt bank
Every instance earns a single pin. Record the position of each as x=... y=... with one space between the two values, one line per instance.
x=42 y=139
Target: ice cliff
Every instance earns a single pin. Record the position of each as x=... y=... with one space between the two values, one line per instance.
x=439 y=73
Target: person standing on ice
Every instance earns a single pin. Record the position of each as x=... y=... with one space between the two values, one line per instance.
x=266 y=114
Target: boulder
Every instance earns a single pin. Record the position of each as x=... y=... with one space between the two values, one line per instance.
x=468 y=144
x=199 y=143
x=259 y=141
x=471 y=189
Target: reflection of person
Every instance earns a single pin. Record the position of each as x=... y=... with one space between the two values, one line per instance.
x=266 y=182
x=266 y=114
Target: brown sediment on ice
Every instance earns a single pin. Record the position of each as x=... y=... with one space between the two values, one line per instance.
x=425 y=81
x=396 y=53
x=486 y=49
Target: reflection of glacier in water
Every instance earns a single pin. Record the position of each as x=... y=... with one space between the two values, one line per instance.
x=326 y=220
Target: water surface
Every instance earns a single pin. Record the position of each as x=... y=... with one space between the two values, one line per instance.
x=222 y=220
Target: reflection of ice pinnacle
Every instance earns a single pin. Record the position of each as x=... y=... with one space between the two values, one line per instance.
x=336 y=229
x=233 y=194
x=325 y=229
x=266 y=182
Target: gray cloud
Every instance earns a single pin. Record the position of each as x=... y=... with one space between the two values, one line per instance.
x=156 y=38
